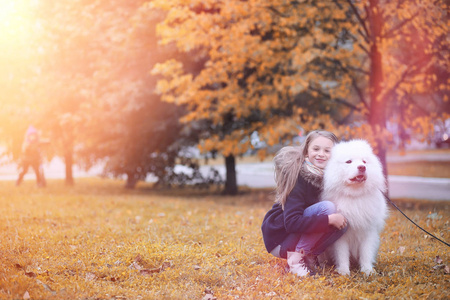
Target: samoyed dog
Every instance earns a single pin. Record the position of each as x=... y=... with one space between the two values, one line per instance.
x=354 y=182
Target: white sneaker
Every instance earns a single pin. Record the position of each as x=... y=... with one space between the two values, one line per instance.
x=296 y=264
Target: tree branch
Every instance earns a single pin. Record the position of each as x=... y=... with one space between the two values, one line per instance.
x=337 y=4
x=393 y=30
x=407 y=73
x=346 y=118
x=276 y=11
x=360 y=93
x=348 y=68
x=364 y=49
x=416 y=104
x=366 y=39
x=361 y=21
x=338 y=100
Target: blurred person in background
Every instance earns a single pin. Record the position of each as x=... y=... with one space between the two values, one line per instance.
x=32 y=156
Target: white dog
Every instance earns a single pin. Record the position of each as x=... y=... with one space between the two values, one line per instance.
x=354 y=182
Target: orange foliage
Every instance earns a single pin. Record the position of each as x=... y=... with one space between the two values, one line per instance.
x=261 y=55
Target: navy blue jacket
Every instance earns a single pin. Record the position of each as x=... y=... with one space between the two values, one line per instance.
x=279 y=223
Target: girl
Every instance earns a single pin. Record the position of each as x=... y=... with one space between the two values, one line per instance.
x=299 y=227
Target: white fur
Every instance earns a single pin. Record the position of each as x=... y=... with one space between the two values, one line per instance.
x=361 y=203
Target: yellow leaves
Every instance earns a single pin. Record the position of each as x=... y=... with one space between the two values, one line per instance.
x=176 y=82
x=208 y=145
x=260 y=57
x=169 y=68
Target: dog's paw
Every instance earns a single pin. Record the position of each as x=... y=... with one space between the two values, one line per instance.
x=343 y=271
x=368 y=270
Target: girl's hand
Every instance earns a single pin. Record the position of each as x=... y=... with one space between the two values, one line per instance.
x=337 y=220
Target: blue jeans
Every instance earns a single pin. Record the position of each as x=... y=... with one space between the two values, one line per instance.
x=312 y=243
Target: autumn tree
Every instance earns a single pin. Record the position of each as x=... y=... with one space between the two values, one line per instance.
x=68 y=47
x=255 y=78
x=347 y=66
x=394 y=67
x=101 y=107
x=83 y=78
x=138 y=133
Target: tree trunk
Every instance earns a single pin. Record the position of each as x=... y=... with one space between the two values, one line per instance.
x=377 y=117
x=231 y=187
x=132 y=180
x=68 y=159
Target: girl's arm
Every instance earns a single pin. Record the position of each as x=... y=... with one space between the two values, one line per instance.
x=295 y=205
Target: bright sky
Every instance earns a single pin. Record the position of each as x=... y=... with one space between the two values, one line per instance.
x=16 y=31
x=9 y=15
x=15 y=25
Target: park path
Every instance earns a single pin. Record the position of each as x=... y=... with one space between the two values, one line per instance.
x=260 y=175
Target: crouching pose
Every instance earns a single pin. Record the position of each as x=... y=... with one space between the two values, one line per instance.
x=299 y=227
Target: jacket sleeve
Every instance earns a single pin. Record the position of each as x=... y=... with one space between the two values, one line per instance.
x=297 y=201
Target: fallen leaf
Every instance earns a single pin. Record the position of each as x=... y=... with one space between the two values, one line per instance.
x=90 y=276
x=135 y=265
x=166 y=264
x=45 y=272
x=30 y=274
x=209 y=297
x=438 y=260
x=48 y=288
x=196 y=267
x=26 y=296
x=118 y=262
x=401 y=250
x=446 y=269
x=138 y=259
x=150 y=271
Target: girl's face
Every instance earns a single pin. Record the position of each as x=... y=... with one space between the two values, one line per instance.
x=319 y=151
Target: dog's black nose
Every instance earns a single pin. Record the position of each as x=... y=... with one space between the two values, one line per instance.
x=361 y=168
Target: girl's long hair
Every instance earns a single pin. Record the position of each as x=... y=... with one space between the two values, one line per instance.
x=288 y=162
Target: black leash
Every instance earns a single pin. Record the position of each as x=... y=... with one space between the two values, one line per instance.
x=390 y=201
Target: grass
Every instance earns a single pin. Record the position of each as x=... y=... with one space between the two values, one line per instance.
x=98 y=241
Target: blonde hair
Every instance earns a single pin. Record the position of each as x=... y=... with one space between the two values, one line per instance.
x=288 y=162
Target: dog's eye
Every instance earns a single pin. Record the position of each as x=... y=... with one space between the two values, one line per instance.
x=348 y=162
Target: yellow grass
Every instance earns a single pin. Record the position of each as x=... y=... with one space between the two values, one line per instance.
x=99 y=241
